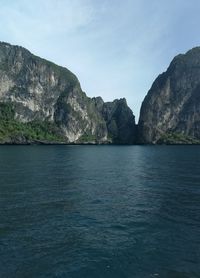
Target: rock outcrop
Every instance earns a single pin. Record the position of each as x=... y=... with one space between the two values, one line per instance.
x=170 y=112
x=46 y=103
x=119 y=119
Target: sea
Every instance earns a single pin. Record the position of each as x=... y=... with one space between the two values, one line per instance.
x=100 y=211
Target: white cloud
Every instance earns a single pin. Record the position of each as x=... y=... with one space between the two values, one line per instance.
x=43 y=19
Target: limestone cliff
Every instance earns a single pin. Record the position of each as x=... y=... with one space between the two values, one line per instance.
x=120 y=120
x=170 y=112
x=40 y=101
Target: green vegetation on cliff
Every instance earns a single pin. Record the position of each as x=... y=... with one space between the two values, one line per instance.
x=177 y=138
x=13 y=131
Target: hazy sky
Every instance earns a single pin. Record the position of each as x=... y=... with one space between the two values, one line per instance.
x=115 y=47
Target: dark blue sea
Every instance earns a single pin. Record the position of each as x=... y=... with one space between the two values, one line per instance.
x=100 y=211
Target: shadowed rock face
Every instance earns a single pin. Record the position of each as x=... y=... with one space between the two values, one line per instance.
x=119 y=119
x=41 y=91
x=170 y=112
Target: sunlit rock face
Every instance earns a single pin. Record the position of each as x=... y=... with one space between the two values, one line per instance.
x=170 y=112
x=41 y=91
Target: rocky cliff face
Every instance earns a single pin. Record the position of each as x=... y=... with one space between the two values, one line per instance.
x=39 y=93
x=170 y=112
x=119 y=118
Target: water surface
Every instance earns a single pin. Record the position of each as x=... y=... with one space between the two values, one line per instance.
x=100 y=211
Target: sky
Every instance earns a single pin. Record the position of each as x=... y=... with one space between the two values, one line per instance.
x=116 y=48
